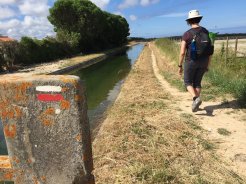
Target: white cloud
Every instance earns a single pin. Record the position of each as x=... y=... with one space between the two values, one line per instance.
x=131 y=3
x=133 y=17
x=36 y=26
x=34 y=7
x=128 y=3
x=31 y=26
x=101 y=3
x=119 y=13
x=25 y=18
x=29 y=17
x=6 y=12
x=173 y=15
x=4 y=25
x=7 y=1
x=148 y=2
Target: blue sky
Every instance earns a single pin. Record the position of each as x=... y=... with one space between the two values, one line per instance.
x=147 y=18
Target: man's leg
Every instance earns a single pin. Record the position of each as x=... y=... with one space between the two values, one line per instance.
x=192 y=91
x=189 y=79
x=197 y=88
x=198 y=91
x=195 y=92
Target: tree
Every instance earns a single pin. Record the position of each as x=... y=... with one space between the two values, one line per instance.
x=82 y=22
x=30 y=50
x=9 y=53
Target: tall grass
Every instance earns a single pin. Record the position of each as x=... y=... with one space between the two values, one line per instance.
x=229 y=75
x=224 y=76
x=170 y=47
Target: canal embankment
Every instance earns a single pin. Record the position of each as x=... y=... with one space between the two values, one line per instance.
x=67 y=65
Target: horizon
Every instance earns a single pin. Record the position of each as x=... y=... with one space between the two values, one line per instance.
x=146 y=18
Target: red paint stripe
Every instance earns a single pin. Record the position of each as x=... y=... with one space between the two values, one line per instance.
x=50 y=97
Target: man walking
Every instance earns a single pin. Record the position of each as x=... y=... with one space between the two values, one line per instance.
x=196 y=50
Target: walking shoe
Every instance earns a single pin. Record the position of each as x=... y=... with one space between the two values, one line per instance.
x=196 y=103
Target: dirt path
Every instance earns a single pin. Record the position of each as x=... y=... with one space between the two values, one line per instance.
x=212 y=115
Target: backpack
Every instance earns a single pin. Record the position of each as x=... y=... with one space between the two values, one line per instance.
x=201 y=45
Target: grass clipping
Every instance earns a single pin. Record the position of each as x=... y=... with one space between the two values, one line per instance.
x=143 y=139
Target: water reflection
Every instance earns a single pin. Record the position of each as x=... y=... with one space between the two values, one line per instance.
x=102 y=77
x=3 y=147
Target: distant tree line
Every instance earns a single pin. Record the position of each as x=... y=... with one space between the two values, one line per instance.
x=140 y=39
x=80 y=26
x=219 y=36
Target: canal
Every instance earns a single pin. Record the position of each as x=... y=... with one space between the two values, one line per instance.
x=103 y=82
x=104 y=79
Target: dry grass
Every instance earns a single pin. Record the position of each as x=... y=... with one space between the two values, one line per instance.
x=79 y=59
x=144 y=140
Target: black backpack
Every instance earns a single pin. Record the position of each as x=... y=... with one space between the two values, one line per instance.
x=202 y=42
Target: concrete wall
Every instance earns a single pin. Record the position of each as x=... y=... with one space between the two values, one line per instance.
x=46 y=130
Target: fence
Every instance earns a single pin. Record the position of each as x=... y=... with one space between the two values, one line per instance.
x=231 y=47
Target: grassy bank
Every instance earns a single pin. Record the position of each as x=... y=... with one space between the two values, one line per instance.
x=224 y=76
x=144 y=140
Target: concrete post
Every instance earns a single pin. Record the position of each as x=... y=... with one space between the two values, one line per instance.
x=227 y=49
x=236 y=42
x=46 y=130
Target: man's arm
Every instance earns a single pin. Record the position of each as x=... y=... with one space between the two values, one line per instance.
x=181 y=56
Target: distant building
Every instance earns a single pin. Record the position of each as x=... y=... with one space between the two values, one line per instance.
x=6 y=39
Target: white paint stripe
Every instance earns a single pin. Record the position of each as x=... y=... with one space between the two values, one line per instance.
x=58 y=111
x=49 y=88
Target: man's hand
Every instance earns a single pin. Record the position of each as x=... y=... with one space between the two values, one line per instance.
x=180 y=70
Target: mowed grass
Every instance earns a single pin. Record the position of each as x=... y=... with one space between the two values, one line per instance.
x=224 y=76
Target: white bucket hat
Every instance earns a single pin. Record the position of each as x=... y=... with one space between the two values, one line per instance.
x=193 y=14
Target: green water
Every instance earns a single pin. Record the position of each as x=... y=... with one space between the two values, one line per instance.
x=103 y=80
x=102 y=77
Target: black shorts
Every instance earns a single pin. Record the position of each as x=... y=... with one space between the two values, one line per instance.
x=193 y=73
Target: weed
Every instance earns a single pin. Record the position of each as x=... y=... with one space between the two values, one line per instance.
x=162 y=176
x=206 y=144
x=144 y=173
x=200 y=180
x=186 y=135
x=223 y=131
x=149 y=174
x=163 y=141
x=142 y=129
x=149 y=105
x=155 y=105
x=190 y=120
x=207 y=97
